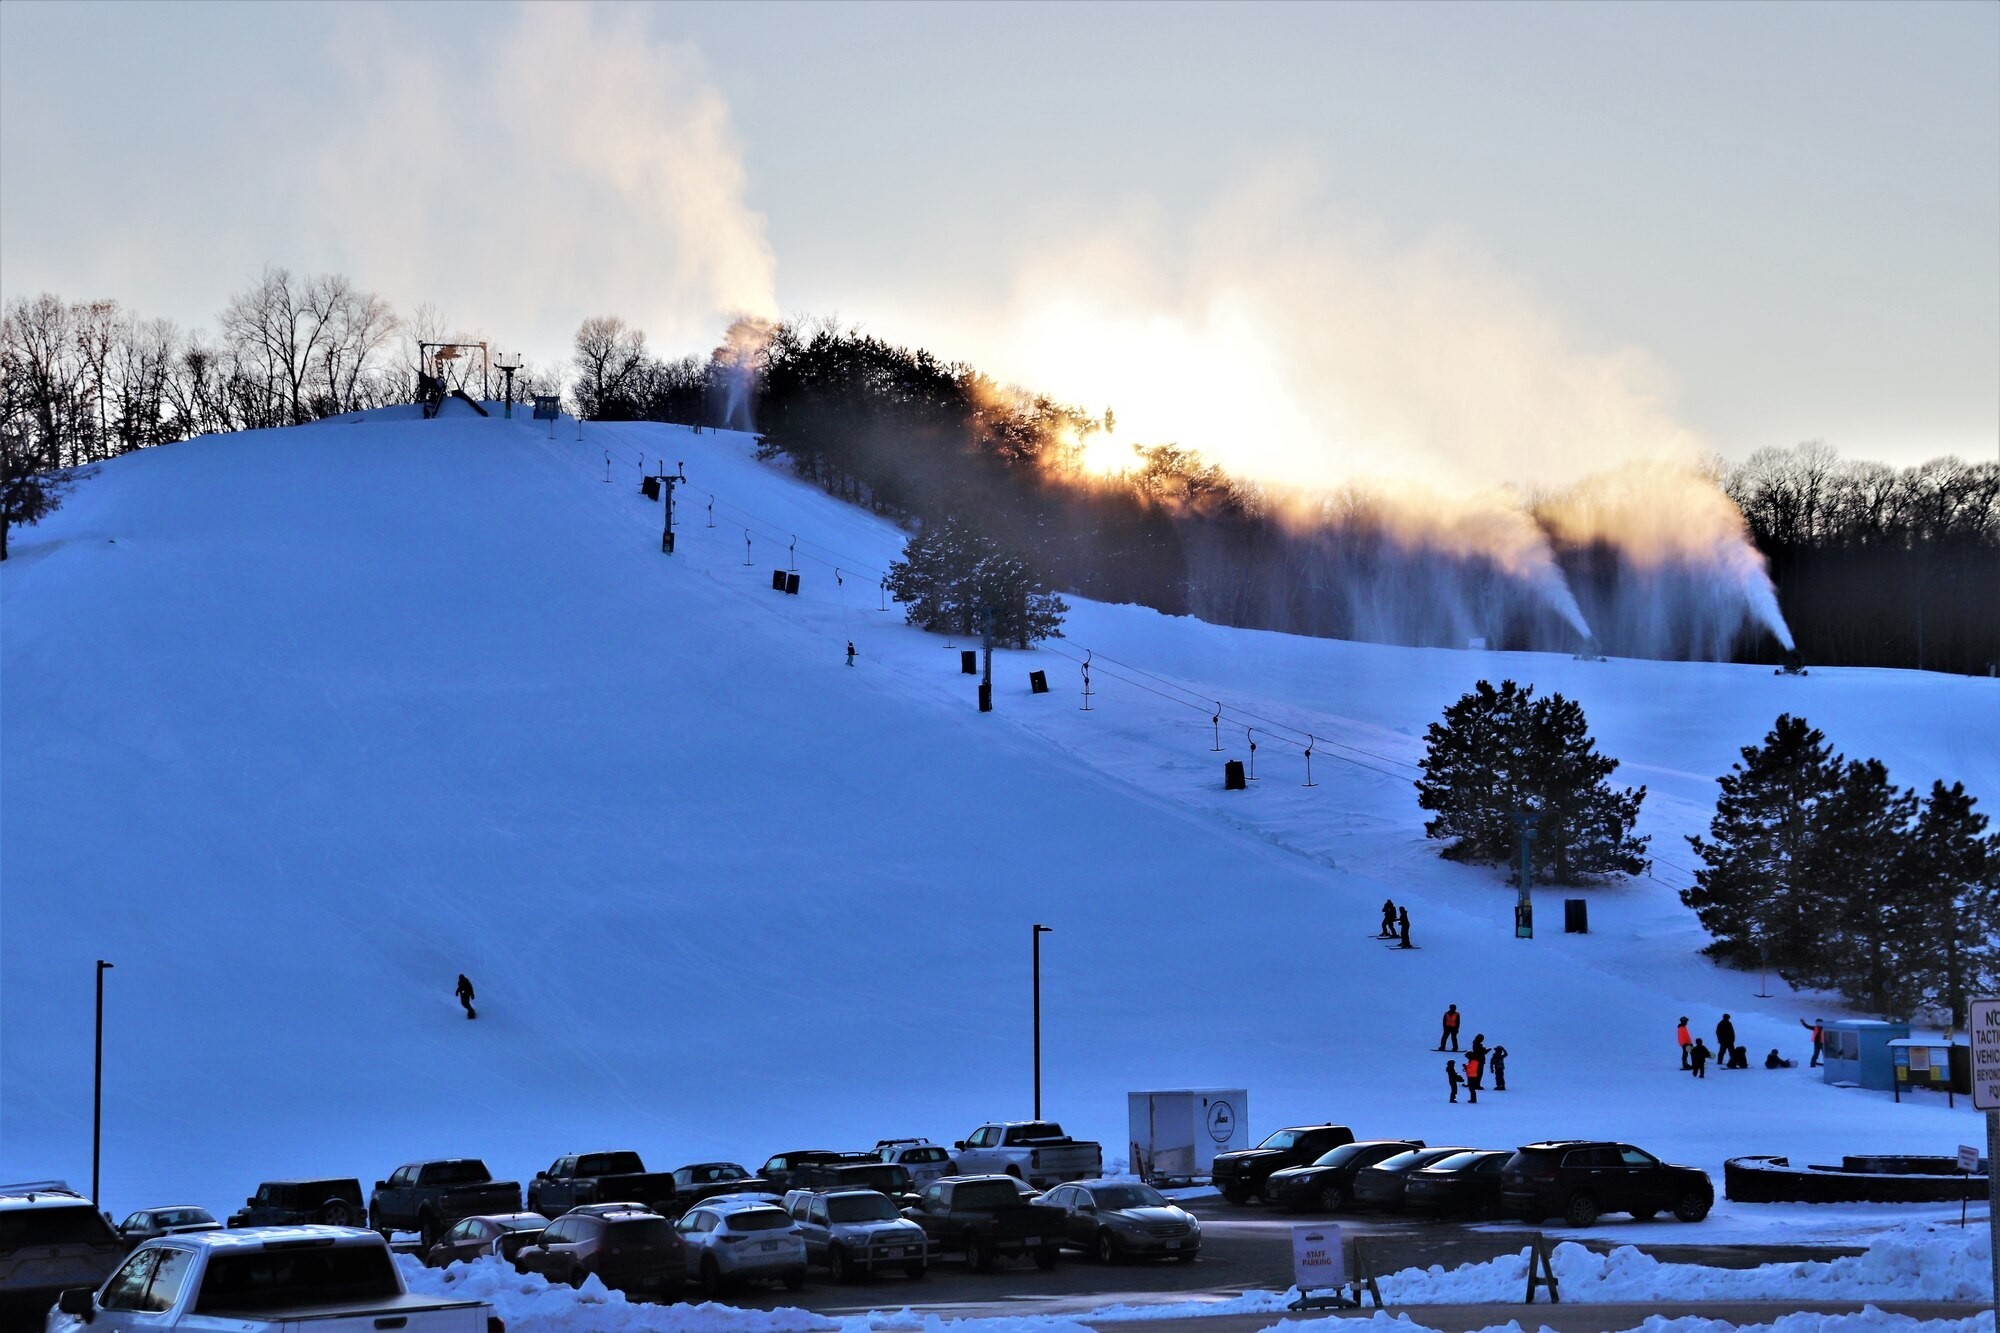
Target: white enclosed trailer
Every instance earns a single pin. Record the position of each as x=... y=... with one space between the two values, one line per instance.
x=1176 y=1132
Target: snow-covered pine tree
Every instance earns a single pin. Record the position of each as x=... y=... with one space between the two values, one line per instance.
x=1765 y=848
x=951 y=577
x=1500 y=753
x=1942 y=927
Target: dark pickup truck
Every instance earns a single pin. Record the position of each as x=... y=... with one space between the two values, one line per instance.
x=599 y=1177
x=983 y=1217
x=1242 y=1175
x=429 y=1197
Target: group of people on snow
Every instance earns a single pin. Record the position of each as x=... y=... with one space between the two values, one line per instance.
x=1395 y=923
x=1479 y=1060
x=1695 y=1053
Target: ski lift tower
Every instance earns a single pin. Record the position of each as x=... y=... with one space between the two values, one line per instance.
x=441 y=375
x=507 y=368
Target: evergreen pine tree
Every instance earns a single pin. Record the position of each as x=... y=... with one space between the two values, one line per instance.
x=952 y=578
x=1942 y=929
x=1860 y=851
x=1757 y=890
x=1501 y=754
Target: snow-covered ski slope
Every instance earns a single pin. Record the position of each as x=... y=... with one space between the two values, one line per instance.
x=299 y=725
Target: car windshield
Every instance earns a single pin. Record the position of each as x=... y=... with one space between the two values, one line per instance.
x=1342 y=1155
x=757 y=1219
x=860 y=1208
x=1284 y=1138
x=67 y=1224
x=313 y=1275
x=182 y=1217
x=1400 y=1162
x=1458 y=1161
x=645 y=1231
x=1128 y=1196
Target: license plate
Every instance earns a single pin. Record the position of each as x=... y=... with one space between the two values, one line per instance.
x=1173 y=1245
x=768 y=1246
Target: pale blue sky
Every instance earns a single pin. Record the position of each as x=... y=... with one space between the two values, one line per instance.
x=1779 y=221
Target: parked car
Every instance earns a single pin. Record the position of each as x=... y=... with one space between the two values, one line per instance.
x=781 y=1172
x=598 y=1177
x=1328 y=1182
x=1118 y=1219
x=178 y=1220
x=1580 y=1179
x=1465 y=1184
x=924 y=1160
x=633 y=1250
x=856 y=1231
x=1381 y=1186
x=428 y=1197
x=500 y=1235
x=1036 y=1151
x=51 y=1238
x=263 y=1280
x=867 y=1174
x=704 y=1180
x=730 y=1242
x=332 y=1200
x=1240 y=1175
x=982 y=1217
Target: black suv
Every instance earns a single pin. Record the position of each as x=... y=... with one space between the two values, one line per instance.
x=1327 y=1182
x=1241 y=1175
x=1579 y=1179
x=283 y=1203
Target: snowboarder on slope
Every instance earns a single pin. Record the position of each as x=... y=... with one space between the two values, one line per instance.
x=850 y=652
x=1686 y=1039
x=1819 y=1039
x=1700 y=1058
x=1403 y=926
x=1725 y=1036
x=1388 y=919
x=1499 y=1069
x=464 y=994
x=1451 y=1072
x=1450 y=1028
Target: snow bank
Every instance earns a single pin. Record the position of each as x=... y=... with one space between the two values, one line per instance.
x=1869 y=1320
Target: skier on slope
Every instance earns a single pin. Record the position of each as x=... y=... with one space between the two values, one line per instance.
x=1388 y=919
x=1450 y=1028
x=464 y=994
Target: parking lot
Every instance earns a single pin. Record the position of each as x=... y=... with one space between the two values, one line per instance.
x=1244 y=1247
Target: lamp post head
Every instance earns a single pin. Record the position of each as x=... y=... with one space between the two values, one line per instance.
x=1041 y=929
x=101 y=965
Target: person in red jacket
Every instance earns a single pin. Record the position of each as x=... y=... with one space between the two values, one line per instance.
x=1686 y=1040
x=1450 y=1028
x=1819 y=1039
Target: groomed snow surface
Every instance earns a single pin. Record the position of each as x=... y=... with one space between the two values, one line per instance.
x=1913 y=1264
x=299 y=725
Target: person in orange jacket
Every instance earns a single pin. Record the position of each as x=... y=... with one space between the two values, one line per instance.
x=1819 y=1039
x=1686 y=1040
x=1450 y=1028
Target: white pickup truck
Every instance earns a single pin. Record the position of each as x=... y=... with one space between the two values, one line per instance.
x=1036 y=1151
x=261 y=1280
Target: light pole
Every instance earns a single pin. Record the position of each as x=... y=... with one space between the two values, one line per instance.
x=1040 y=930
x=97 y=1084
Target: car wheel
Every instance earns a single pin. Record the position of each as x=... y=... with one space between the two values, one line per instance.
x=711 y=1278
x=1692 y=1206
x=1109 y=1251
x=1014 y=1171
x=976 y=1257
x=1045 y=1257
x=795 y=1279
x=427 y=1227
x=837 y=1264
x=916 y=1268
x=1581 y=1210
x=337 y=1214
x=576 y=1277
x=1236 y=1193
x=1333 y=1198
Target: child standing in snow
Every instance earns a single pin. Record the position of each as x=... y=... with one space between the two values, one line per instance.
x=1700 y=1058
x=1499 y=1063
x=1388 y=919
x=464 y=994
x=850 y=652
x=1451 y=1072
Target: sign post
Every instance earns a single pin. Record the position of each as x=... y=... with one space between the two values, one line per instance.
x=1984 y=1030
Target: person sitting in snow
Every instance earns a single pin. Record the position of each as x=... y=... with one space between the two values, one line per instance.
x=1776 y=1061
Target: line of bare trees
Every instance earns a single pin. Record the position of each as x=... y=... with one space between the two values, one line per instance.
x=1875 y=565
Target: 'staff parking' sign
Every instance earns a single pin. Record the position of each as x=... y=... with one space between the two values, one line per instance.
x=1316 y=1258
x=1985 y=1034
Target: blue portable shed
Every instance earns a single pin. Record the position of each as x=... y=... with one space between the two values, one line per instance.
x=1857 y=1053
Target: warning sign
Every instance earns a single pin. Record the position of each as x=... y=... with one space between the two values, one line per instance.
x=1985 y=1034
